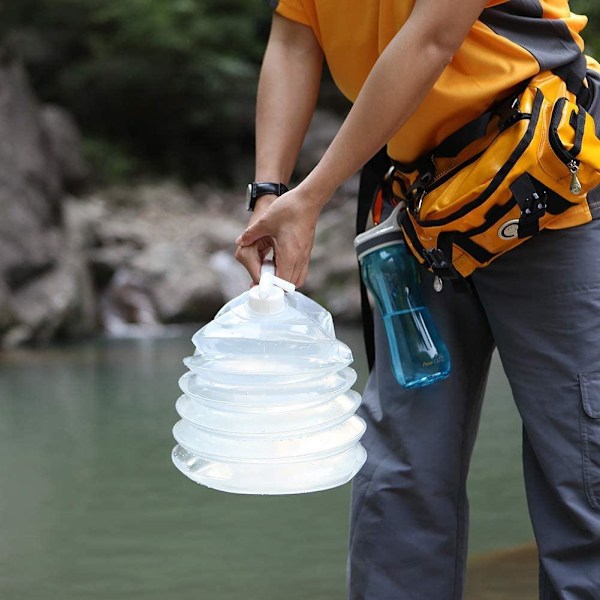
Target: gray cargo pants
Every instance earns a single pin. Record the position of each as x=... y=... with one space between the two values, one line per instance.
x=540 y=305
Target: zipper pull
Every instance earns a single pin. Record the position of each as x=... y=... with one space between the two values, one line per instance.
x=575 y=183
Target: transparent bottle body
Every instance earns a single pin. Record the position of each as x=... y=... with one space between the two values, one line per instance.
x=418 y=355
x=266 y=405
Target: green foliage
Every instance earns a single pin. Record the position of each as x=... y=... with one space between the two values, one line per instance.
x=170 y=81
x=591 y=34
x=112 y=163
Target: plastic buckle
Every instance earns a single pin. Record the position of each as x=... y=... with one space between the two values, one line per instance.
x=509 y=113
x=439 y=264
x=533 y=208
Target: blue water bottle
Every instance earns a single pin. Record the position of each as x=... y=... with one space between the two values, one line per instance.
x=418 y=354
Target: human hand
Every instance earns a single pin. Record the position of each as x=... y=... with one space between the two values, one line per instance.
x=286 y=224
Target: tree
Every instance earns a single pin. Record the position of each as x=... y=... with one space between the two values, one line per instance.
x=168 y=83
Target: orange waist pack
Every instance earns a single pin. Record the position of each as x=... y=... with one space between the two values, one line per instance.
x=503 y=177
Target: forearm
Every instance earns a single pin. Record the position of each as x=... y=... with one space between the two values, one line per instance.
x=390 y=94
x=404 y=74
x=287 y=94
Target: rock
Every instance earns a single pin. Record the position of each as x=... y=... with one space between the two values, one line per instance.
x=65 y=145
x=7 y=316
x=29 y=245
x=129 y=256
x=148 y=249
x=127 y=302
x=180 y=252
x=45 y=287
x=58 y=304
x=29 y=183
x=25 y=148
x=232 y=277
x=183 y=288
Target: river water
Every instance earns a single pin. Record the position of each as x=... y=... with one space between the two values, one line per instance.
x=92 y=508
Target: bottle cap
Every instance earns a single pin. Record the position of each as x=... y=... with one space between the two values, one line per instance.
x=385 y=234
x=269 y=304
x=268 y=296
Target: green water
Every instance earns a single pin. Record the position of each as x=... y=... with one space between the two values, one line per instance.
x=91 y=507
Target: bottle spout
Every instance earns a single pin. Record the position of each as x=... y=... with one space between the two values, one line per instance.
x=268 y=278
x=386 y=233
x=268 y=296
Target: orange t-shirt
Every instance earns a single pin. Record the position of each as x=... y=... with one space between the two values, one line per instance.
x=510 y=42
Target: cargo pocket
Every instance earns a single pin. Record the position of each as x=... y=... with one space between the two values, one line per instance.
x=589 y=385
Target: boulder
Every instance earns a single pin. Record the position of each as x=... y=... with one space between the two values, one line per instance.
x=150 y=247
x=7 y=315
x=64 y=141
x=60 y=303
x=45 y=288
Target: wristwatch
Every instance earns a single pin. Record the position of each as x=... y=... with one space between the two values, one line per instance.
x=257 y=189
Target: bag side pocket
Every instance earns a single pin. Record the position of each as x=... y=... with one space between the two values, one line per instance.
x=571 y=156
x=589 y=386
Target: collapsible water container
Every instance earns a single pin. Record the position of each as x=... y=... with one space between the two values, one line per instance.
x=267 y=405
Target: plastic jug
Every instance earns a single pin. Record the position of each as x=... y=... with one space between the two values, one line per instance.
x=267 y=406
x=418 y=354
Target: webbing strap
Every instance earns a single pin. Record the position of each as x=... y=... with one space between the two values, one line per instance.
x=439 y=260
x=447 y=239
x=577 y=121
x=370 y=178
x=507 y=113
x=409 y=231
x=555 y=203
x=465 y=136
x=573 y=74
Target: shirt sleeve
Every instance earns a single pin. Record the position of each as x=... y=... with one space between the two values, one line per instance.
x=291 y=9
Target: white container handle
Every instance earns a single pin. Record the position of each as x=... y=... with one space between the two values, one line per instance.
x=268 y=278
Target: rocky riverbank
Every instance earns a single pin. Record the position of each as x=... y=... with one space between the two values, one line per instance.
x=127 y=260
x=163 y=254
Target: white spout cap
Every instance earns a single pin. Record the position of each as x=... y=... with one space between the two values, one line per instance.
x=273 y=303
x=268 y=296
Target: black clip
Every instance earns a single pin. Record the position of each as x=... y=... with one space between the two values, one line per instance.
x=532 y=201
x=509 y=113
x=438 y=263
x=532 y=210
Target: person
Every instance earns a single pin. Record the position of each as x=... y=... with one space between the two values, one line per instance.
x=416 y=71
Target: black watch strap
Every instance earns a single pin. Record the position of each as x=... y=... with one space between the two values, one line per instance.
x=256 y=189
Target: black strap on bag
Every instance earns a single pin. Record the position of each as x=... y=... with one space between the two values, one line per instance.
x=574 y=75
x=370 y=178
x=506 y=111
x=532 y=197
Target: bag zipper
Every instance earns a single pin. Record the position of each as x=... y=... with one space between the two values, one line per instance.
x=499 y=177
x=566 y=157
x=440 y=179
x=446 y=175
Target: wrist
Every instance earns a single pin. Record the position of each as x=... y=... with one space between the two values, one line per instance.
x=315 y=193
x=262 y=203
x=257 y=189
